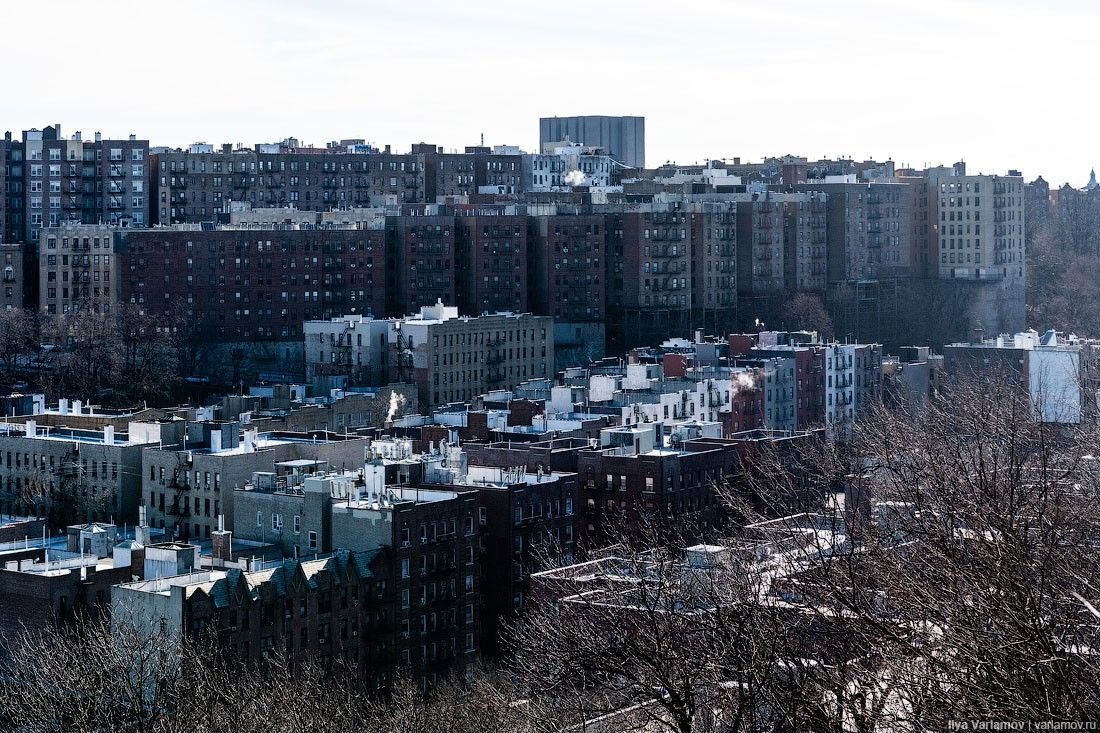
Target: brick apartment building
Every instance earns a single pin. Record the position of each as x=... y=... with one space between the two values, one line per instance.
x=430 y=534
x=714 y=264
x=870 y=234
x=649 y=273
x=197 y=184
x=11 y=274
x=70 y=473
x=632 y=475
x=566 y=264
x=78 y=269
x=351 y=608
x=244 y=284
x=421 y=266
x=491 y=257
x=523 y=517
x=52 y=180
x=42 y=588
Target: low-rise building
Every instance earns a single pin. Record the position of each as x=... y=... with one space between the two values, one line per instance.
x=71 y=474
x=354 y=347
x=187 y=478
x=451 y=358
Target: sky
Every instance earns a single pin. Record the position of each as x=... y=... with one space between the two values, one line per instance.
x=1001 y=84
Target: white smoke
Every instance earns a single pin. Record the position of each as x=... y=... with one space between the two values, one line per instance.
x=742 y=380
x=396 y=400
x=575 y=178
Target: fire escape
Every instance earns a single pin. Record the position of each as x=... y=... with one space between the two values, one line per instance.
x=181 y=504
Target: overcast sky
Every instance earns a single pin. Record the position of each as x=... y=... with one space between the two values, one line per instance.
x=1000 y=83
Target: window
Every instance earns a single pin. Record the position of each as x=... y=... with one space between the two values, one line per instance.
x=276 y=522
x=297 y=524
x=312 y=540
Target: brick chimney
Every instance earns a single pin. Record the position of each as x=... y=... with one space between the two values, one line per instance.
x=221 y=541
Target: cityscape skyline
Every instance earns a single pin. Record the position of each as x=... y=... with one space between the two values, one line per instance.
x=784 y=87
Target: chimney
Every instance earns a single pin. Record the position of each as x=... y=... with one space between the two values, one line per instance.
x=32 y=429
x=222 y=541
x=63 y=406
x=141 y=533
x=108 y=435
x=979 y=332
x=133 y=137
x=99 y=137
x=77 y=405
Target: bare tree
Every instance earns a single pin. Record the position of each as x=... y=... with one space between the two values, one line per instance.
x=805 y=311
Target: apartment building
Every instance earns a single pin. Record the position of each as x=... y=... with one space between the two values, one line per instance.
x=804 y=241
x=89 y=181
x=761 y=244
x=524 y=517
x=714 y=264
x=423 y=259
x=350 y=608
x=455 y=359
x=429 y=533
x=869 y=229
x=352 y=346
x=491 y=259
x=566 y=263
x=187 y=480
x=239 y=283
x=11 y=274
x=978 y=224
x=633 y=473
x=197 y=184
x=79 y=268
x=71 y=473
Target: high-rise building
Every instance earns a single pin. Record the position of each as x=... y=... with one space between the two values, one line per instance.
x=622 y=137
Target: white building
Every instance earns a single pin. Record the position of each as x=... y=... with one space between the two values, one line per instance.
x=840 y=372
x=354 y=346
x=560 y=166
